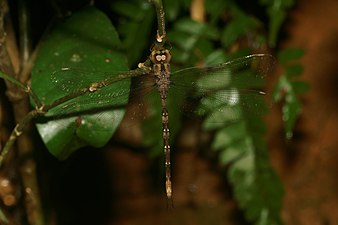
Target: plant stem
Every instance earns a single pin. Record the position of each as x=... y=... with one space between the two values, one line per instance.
x=17 y=131
x=24 y=39
x=20 y=106
x=160 y=20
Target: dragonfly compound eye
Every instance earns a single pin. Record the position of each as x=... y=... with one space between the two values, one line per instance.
x=162 y=56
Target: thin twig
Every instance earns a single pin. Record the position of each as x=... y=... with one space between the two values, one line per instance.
x=24 y=26
x=161 y=34
x=17 y=131
x=20 y=103
x=93 y=87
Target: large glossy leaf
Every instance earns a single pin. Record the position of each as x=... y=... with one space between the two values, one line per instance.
x=86 y=41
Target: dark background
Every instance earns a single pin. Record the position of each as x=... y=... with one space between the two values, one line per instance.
x=117 y=184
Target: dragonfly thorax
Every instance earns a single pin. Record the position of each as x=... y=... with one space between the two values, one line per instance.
x=160 y=56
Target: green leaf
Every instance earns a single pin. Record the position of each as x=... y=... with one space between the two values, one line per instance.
x=277 y=12
x=3 y=219
x=225 y=137
x=280 y=88
x=215 y=9
x=191 y=41
x=256 y=187
x=278 y=3
x=290 y=54
x=238 y=27
x=300 y=87
x=291 y=111
x=294 y=70
x=128 y=10
x=277 y=17
x=288 y=88
x=134 y=27
x=215 y=57
x=172 y=8
x=292 y=108
x=239 y=131
x=193 y=27
x=86 y=41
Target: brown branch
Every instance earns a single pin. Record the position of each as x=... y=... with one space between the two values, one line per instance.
x=161 y=33
x=10 y=64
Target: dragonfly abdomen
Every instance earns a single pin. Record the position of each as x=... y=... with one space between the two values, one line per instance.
x=161 y=71
x=166 y=143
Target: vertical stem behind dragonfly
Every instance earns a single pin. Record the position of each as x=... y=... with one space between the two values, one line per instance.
x=161 y=34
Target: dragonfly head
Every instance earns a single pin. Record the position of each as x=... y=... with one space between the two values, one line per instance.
x=160 y=56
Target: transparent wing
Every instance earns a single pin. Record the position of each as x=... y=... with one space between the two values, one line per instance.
x=222 y=92
x=217 y=90
x=113 y=92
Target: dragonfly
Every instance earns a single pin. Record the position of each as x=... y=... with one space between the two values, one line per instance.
x=226 y=84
